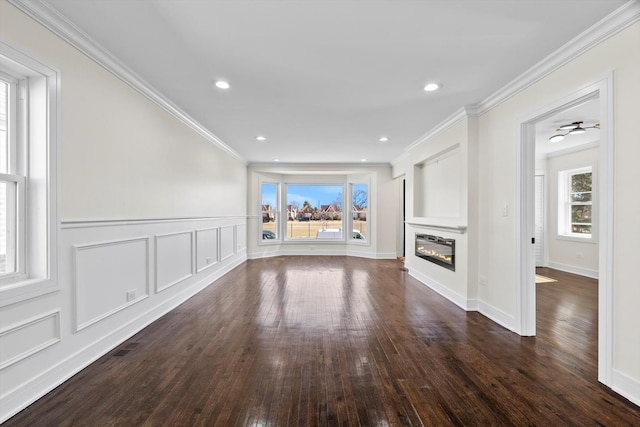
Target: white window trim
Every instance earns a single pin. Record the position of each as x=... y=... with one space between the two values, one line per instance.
x=41 y=210
x=564 y=213
x=277 y=211
x=366 y=240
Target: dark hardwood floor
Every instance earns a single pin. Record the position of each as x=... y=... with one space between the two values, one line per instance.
x=304 y=341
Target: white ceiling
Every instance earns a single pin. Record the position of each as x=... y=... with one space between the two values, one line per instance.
x=323 y=79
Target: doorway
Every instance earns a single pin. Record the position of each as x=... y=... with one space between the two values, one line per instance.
x=540 y=229
x=526 y=313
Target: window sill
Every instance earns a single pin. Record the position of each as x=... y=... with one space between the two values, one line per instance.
x=579 y=239
x=25 y=290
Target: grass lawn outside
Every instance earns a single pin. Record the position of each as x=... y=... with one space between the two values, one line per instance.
x=309 y=229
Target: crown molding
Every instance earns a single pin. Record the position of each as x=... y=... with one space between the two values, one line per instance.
x=444 y=125
x=607 y=27
x=612 y=24
x=46 y=15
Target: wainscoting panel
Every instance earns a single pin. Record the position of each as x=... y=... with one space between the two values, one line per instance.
x=241 y=237
x=206 y=248
x=174 y=259
x=227 y=242
x=107 y=270
x=28 y=337
x=109 y=276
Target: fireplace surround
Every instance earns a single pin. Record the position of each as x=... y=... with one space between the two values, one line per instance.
x=437 y=250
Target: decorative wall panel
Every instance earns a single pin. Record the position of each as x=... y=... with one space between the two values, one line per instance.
x=29 y=337
x=174 y=259
x=109 y=276
x=227 y=242
x=241 y=237
x=206 y=248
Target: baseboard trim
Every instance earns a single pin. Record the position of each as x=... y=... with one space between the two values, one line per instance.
x=626 y=386
x=593 y=274
x=19 y=398
x=457 y=299
x=307 y=252
x=498 y=316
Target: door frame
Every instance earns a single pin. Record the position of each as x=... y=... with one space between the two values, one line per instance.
x=545 y=225
x=525 y=293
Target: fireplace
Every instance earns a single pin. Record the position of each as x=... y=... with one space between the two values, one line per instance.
x=437 y=250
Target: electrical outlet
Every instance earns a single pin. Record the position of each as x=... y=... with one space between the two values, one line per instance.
x=580 y=255
x=482 y=280
x=208 y=261
x=131 y=295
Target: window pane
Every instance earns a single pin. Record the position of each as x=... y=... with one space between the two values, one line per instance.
x=7 y=227
x=314 y=211
x=580 y=197
x=581 y=228
x=581 y=219
x=581 y=182
x=4 y=126
x=269 y=208
x=359 y=205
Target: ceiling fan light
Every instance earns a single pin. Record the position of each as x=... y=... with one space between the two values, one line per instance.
x=570 y=126
x=556 y=138
x=430 y=87
x=577 y=130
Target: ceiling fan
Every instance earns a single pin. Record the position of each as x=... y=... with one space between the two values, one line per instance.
x=571 y=129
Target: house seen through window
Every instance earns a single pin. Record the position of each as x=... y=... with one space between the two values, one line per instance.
x=314 y=212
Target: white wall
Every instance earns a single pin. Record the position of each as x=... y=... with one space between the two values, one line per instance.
x=384 y=198
x=130 y=175
x=570 y=255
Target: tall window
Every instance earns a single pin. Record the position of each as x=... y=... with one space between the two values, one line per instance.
x=315 y=211
x=359 y=211
x=28 y=216
x=12 y=180
x=269 y=211
x=575 y=205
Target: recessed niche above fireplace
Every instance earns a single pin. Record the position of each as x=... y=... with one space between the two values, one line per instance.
x=437 y=250
x=438 y=188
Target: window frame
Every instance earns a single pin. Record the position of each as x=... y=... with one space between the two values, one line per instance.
x=35 y=175
x=564 y=221
x=275 y=211
x=355 y=213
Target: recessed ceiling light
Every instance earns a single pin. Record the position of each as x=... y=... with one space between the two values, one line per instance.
x=383 y=139
x=261 y=138
x=363 y=160
x=276 y=160
x=430 y=87
x=222 y=84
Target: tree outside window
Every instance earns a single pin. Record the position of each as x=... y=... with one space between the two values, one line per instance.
x=359 y=210
x=575 y=204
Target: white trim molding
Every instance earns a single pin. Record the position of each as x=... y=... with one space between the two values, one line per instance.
x=81 y=324
x=626 y=386
x=607 y=27
x=459 y=300
x=42 y=12
x=36 y=347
